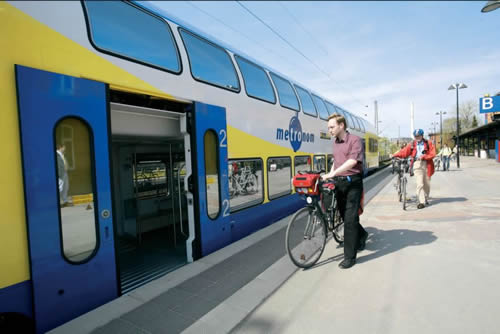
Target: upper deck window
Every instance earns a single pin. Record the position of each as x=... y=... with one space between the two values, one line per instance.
x=287 y=96
x=361 y=124
x=352 y=124
x=210 y=63
x=356 y=121
x=148 y=40
x=320 y=106
x=331 y=109
x=307 y=103
x=257 y=82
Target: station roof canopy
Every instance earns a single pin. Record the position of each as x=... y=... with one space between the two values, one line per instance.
x=482 y=130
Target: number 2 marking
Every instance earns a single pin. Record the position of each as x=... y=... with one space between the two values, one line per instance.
x=225 y=206
x=224 y=138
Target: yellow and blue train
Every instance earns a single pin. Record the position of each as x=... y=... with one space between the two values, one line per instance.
x=133 y=144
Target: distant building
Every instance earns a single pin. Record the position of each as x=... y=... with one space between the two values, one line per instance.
x=400 y=140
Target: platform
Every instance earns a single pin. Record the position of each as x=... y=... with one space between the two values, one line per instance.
x=433 y=270
x=430 y=270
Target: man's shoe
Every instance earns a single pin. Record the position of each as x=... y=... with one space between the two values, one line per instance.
x=347 y=263
x=420 y=206
x=362 y=242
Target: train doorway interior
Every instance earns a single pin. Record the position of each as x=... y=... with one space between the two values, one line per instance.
x=151 y=208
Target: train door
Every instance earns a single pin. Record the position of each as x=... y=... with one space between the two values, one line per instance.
x=150 y=200
x=211 y=177
x=64 y=139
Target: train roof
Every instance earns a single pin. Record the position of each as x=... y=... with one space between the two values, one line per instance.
x=151 y=6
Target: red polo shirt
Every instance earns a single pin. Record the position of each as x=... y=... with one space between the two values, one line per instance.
x=349 y=148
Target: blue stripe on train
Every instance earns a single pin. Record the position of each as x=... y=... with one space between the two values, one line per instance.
x=17 y=298
x=249 y=220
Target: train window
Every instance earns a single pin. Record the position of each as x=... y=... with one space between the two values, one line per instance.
x=279 y=174
x=361 y=124
x=302 y=163
x=210 y=63
x=348 y=117
x=245 y=183
x=212 y=174
x=341 y=112
x=287 y=96
x=372 y=145
x=257 y=82
x=76 y=190
x=148 y=41
x=356 y=121
x=320 y=106
x=331 y=109
x=319 y=162
x=150 y=179
x=306 y=101
x=329 y=161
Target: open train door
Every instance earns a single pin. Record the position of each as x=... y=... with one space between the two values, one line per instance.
x=211 y=177
x=71 y=246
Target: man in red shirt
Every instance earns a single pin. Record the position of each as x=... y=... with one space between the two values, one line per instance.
x=422 y=152
x=347 y=172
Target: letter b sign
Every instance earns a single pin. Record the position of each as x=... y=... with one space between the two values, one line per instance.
x=489 y=104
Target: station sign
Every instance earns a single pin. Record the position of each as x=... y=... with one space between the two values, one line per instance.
x=489 y=104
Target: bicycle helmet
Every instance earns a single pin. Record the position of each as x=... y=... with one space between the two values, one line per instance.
x=418 y=132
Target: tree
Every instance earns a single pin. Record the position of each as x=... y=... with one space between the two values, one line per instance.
x=474 y=121
x=468 y=118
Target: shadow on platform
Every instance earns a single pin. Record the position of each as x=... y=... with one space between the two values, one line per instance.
x=438 y=200
x=383 y=242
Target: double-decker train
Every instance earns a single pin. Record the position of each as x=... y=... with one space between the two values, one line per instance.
x=134 y=144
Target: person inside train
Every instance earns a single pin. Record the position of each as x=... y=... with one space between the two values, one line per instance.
x=62 y=174
x=347 y=172
x=422 y=153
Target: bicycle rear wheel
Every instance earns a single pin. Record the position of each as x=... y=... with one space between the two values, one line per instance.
x=338 y=227
x=403 y=191
x=305 y=238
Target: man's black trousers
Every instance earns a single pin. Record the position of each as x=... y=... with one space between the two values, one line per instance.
x=348 y=199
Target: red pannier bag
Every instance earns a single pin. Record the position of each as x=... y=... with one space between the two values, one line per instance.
x=306 y=184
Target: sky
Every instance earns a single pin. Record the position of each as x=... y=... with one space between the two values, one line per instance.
x=356 y=52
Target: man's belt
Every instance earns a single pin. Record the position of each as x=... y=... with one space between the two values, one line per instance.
x=348 y=178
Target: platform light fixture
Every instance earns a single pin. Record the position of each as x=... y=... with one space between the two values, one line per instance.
x=441 y=113
x=456 y=87
x=490 y=6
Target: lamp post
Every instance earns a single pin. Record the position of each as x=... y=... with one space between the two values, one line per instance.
x=434 y=125
x=456 y=87
x=491 y=5
x=441 y=113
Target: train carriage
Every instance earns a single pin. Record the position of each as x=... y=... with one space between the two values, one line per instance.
x=131 y=150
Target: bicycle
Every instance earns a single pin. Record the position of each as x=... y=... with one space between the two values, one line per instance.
x=307 y=231
x=401 y=182
x=437 y=163
x=243 y=183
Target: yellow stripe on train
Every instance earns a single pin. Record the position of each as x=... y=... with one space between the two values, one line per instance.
x=28 y=42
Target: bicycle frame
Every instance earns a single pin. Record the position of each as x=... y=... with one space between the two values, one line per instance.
x=401 y=181
x=327 y=215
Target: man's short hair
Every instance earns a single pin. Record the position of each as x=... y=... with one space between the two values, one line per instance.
x=339 y=119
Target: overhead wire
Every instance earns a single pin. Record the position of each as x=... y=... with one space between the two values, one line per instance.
x=296 y=20
x=298 y=51
x=239 y=32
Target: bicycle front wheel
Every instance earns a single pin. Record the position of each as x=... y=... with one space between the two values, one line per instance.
x=305 y=238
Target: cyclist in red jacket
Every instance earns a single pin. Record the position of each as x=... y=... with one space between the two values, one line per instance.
x=422 y=152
